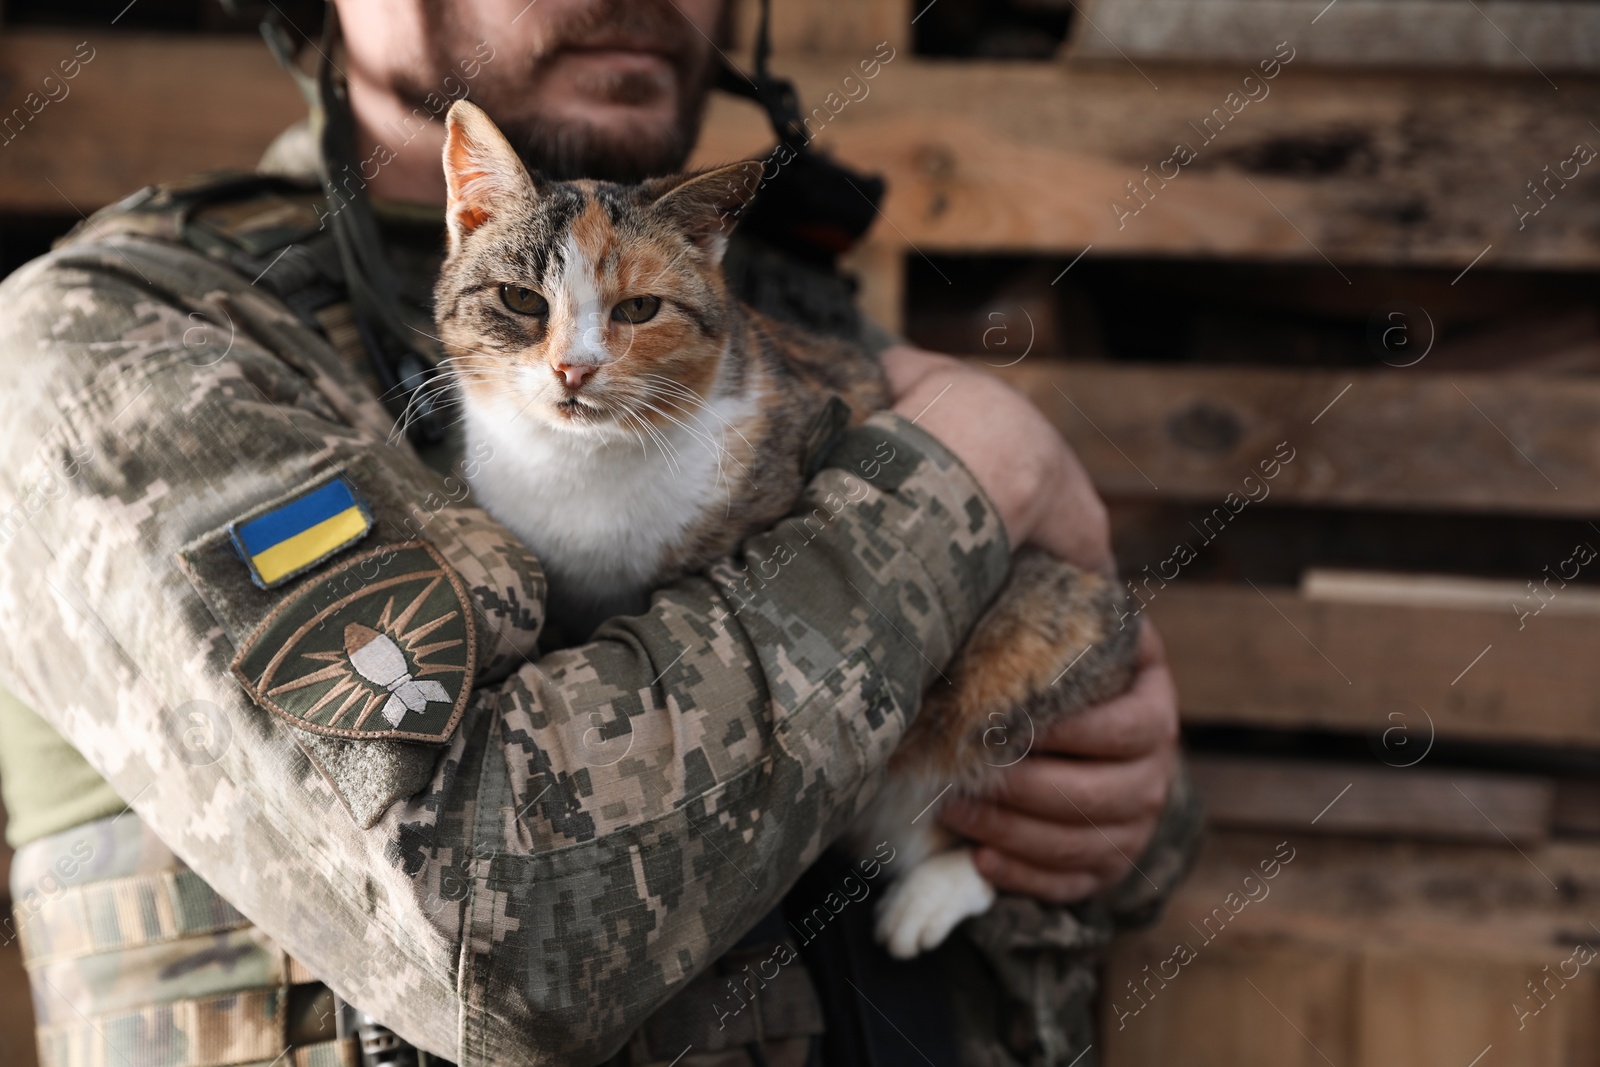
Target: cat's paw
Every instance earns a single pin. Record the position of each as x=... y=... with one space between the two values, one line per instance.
x=923 y=907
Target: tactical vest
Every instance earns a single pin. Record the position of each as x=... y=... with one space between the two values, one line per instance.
x=175 y=977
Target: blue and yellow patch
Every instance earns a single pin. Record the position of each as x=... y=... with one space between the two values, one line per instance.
x=296 y=536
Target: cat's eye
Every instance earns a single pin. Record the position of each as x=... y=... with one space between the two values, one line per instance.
x=637 y=309
x=523 y=301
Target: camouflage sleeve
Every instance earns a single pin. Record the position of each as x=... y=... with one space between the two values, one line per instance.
x=572 y=837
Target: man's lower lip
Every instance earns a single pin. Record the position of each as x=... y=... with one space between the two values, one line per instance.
x=626 y=55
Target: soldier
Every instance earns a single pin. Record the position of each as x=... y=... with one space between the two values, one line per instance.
x=218 y=545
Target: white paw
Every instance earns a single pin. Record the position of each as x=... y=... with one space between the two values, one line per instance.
x=923 y=907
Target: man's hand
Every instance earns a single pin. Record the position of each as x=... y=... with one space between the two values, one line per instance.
x=1071 y=819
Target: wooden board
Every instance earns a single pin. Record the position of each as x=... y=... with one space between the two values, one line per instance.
x=1438 y=591
x=1355 y=166
x=826 y=26
x=1245 y=1005
x=1421 y=1010
x=1393 y=440
x=1398 y=169
x=1400 y=895
x=17 y=1048
x=1380 y=954
x=1516 y=35
x=144 y=109
x=1261 y=1003
x=1374 y=801
x=1268 y=657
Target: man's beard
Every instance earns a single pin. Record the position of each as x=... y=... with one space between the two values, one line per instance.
x=567 y=149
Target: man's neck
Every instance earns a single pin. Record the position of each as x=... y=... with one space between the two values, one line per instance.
x=397 y=158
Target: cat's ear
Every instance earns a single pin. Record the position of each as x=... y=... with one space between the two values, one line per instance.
x=481 y=170
x=707 y=204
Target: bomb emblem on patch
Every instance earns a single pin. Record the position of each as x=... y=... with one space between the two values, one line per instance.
x=379 y=660
x=383 y=646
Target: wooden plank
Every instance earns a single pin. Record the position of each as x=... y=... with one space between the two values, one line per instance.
x=1440 y=1010
x=980 y=155
x=1258 y=1003
x=1407 y=953
x=1515 y=35
x=1363 y=167
x=1437 y=898
x=1244 y=1005
x=1479 y=442
x=1373 y=801
x=143 y=109
x=1577 y=809
x=826 y=26
x=17 y=1048
x=1438 y=591
x=1268 y=657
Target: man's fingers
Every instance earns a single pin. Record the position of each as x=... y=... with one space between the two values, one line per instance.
x=1142 y=720
x=1011 y=875
x=1081 y=792
x=1048 y=843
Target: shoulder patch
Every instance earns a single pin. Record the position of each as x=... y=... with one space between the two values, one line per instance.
x=382 y=646
x=292 y=537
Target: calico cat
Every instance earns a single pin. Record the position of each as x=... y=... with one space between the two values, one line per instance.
x=644 y=423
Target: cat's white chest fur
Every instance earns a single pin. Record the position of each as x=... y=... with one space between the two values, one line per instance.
x=602 y=516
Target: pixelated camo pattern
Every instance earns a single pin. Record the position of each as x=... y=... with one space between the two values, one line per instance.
x=136 y=962
x=601 y=825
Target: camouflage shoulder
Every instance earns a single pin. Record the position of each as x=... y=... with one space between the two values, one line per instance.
x=167 y=210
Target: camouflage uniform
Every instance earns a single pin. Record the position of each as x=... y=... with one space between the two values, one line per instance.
x=530 y=878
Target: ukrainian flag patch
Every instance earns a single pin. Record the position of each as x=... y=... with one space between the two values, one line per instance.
x=295 y=536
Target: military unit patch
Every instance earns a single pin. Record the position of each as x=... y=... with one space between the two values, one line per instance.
x=295 y=536
x=381 y=646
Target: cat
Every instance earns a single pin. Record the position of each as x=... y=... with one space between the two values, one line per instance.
x=644 y=423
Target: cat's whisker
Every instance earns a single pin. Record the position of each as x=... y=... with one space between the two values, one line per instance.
x=699 y=434
x=438 y=394
x=663 y=384
x=676 y=393
x=686 y=392
x=669 y=450
x=720 y=448
x=453 y=347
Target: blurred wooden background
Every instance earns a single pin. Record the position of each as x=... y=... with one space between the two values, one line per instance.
x=1385 y=263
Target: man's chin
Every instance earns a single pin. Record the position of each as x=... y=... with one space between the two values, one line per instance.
x=604 y=141
x=606 y=134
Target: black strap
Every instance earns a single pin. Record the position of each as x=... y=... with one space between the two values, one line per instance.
x=809 y=204
x=402 y=368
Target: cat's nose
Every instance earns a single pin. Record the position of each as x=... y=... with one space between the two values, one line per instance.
x=574 y=374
